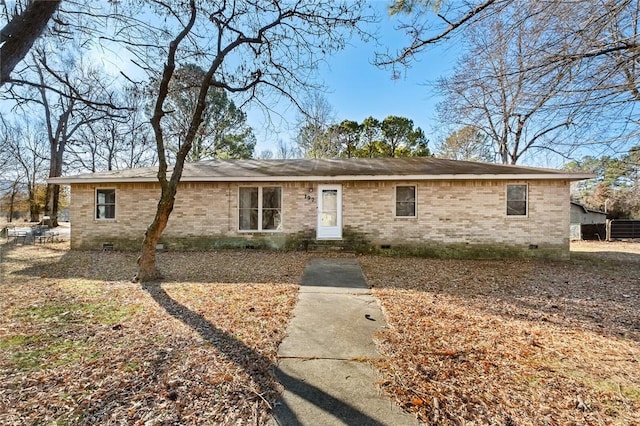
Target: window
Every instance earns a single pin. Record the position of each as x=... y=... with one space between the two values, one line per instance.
x=260 y=208
x=516 y=200
x=406 y=201
x=105 y=204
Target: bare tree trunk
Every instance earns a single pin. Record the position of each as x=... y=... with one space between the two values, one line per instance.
x=17 y=37
x=34 y=208
x=55 y=203
x=147 y=269
x=52 y=196
x=11 y=202
x=48 y=199
x=52 y=200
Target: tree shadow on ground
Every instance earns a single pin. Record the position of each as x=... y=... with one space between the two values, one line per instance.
x=225 y=266
x=234 y=267
x=590 y=289
x=261 y=369
x=603 y=297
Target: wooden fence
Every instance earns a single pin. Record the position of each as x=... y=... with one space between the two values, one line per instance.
x=621 y=229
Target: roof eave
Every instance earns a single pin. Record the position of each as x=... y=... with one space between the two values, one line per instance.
x=514 y=176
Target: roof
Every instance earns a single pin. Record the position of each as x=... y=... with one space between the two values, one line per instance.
x=586 y=209
x=414 y=168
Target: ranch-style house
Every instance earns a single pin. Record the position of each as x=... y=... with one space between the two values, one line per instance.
x=421 y=205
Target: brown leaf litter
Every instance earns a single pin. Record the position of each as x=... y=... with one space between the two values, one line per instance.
x=511 y=342
x=80 y=344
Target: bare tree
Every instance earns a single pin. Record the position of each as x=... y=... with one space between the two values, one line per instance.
x=118 y=141
x=606 y=53
x=5 y=158
x=27 y=149
x=594 y=42
x=283 y=151
x=64 y=110
x=252 y=49
x=313 y=138
x=468 y=144
x=9 y=196
x=10 y=180
x=136 y=137
x=498 y=89
x=286 y=150
x=585 y=29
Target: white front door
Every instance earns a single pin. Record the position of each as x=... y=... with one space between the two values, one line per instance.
x=329 y=212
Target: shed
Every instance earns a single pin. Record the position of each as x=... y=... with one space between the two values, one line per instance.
x=587 y=223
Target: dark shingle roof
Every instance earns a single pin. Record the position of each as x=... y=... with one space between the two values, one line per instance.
x=415 y=168
x=586 y=209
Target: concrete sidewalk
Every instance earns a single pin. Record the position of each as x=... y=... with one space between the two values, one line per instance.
x=322 y=359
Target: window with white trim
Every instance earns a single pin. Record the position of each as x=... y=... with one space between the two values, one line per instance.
x=517 y=200
x=260 y=208
x=405 y=201
x=105 y=203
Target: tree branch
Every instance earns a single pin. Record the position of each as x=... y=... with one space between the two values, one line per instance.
x=17 y=37
x=163 y=91
x=76 y=97
x=418 y=44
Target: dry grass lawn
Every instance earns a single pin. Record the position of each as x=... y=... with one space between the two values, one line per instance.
x=80 y=344
x=468 y=343
x=513 y=342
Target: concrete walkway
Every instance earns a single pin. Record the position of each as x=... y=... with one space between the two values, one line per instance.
x=322 y=359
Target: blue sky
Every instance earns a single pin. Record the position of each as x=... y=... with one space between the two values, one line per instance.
x=357 y=89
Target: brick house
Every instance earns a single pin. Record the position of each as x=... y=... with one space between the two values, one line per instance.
x=421 y=205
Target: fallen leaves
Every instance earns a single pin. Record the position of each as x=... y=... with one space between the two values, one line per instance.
x=469 y=342
x=80 y=344
x=511 y=342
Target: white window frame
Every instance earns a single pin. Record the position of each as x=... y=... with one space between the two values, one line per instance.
x=115 y=205
x=395 y=201
x=260 y=187
x=526 y=200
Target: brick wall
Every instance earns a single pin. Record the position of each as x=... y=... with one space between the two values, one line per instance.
x=448 y=212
